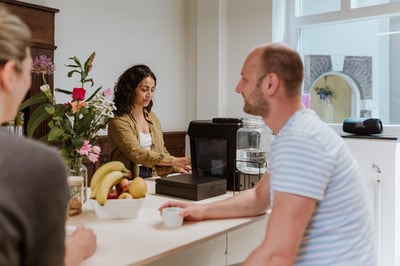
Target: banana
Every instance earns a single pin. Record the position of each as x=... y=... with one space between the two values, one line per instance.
x=103 y=170
x=93 y=191
x=109 y=180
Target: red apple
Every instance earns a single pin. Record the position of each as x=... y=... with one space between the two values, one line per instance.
x=112 y=194
x=123 y=186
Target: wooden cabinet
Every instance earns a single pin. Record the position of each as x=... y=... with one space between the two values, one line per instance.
x=175 y=142
x=41 y=21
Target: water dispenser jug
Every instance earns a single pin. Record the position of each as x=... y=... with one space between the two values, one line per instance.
x=252 y=147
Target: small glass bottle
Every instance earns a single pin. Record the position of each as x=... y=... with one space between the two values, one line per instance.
x=78 y=168
x=252 y=147
x=75 y=205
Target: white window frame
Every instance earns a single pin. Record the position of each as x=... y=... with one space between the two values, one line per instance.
x=286 y=27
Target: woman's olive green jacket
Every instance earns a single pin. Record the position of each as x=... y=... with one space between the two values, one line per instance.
x=123 y=135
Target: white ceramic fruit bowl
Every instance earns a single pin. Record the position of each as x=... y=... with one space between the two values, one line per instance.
x=117 y=208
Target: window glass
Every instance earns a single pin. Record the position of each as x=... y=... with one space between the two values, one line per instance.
x=350 y=69
x=311 y=7
x=364 y=3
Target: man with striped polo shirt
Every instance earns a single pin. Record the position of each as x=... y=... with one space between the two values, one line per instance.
x=318 y=199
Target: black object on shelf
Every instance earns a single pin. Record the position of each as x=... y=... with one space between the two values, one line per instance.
x=362 y=126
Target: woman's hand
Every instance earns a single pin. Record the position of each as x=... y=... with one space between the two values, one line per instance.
x=80 y=245
x=182 y=164
x=182 y=171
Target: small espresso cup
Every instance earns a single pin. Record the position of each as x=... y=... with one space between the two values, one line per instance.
x=171 y=217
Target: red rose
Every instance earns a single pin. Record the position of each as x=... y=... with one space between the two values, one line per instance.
x=78 y=94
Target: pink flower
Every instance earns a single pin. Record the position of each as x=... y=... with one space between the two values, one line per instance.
x=108 y=92
x=86 y=148
x=96 y=149
x=92 y=152
x=93 y=157
x=78 y=94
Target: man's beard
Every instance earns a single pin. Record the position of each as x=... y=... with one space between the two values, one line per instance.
x=260 y=106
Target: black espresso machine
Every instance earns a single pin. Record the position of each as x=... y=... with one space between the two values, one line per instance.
x=213 y=155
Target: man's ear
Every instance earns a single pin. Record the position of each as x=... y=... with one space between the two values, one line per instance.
x=7 y=75
x=271 y=82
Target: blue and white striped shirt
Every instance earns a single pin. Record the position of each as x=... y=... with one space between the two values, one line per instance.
x=309 y=159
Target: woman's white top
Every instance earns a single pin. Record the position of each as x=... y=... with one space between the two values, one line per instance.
x=145 y=140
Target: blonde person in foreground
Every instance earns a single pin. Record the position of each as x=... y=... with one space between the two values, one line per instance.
x=319 y=211
x=33 y=187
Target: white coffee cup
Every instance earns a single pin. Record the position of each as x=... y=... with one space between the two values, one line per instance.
x=171 y=217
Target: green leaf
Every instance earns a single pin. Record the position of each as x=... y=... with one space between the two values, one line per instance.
x=66 y=125
x=94 y=94
x=69 y=74
x=37 y=117
x=55 y=134
x=60 y=109
x=83 y=123
x=35 y=99
x=89 y=81
x=63 y=91
x=74 y=66
x=76 y=60
x=83 y=77
x=49 y=109
x=77 y=142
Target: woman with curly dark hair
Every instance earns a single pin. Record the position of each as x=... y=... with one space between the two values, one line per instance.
x=135 y=133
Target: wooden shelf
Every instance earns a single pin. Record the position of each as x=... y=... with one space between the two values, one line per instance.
x=41 y=22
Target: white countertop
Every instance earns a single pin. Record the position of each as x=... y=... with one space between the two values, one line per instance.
x=144 y=239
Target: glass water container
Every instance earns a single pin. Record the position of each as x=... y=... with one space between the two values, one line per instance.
x=252 y=147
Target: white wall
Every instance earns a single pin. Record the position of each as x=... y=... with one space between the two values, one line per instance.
x=195 y=47
x=249 y=23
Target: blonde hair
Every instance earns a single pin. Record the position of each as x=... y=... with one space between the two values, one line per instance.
x=15 y=37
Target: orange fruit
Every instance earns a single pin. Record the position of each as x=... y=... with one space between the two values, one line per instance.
x=138 y=188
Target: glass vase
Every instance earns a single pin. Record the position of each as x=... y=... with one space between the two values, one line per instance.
x=75 y=204
x=77 y=168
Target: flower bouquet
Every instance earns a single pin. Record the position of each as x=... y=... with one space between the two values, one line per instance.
x=75 y=124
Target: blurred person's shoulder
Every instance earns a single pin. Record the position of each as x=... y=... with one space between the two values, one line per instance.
x=29 y=153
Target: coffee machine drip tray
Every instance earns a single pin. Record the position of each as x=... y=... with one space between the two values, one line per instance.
x=191 y=187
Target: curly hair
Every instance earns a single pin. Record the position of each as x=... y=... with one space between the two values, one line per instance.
x=124 y=90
